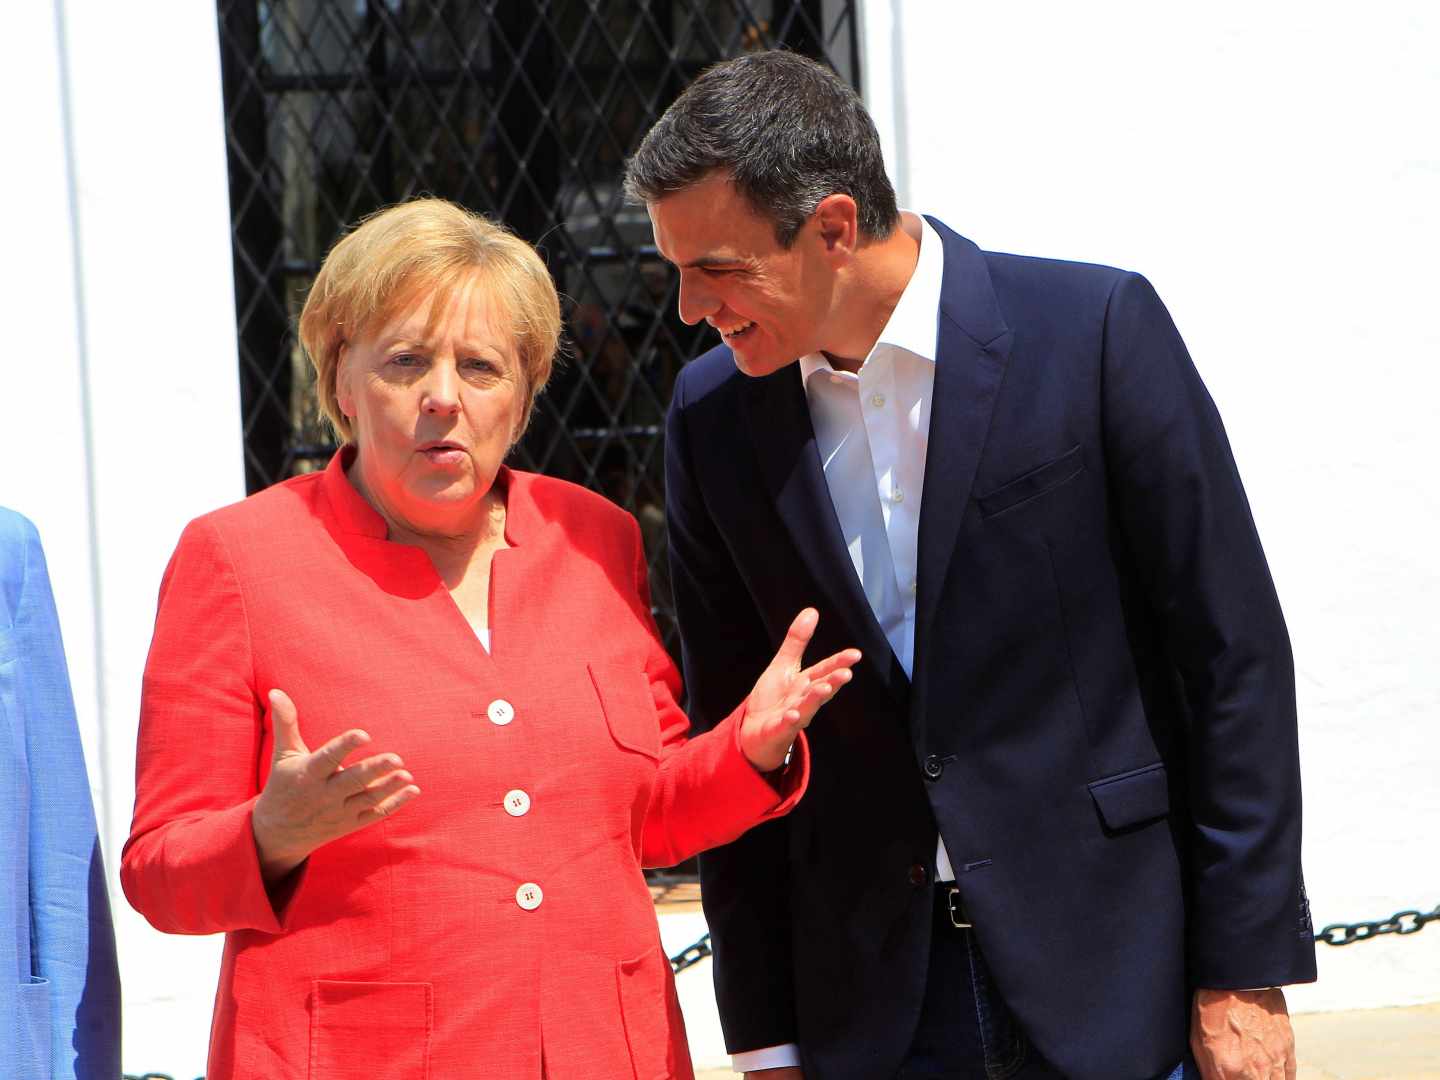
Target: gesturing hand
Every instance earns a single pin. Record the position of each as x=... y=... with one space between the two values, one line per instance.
x=311 y=799
x=1242 y=1035
x=786 y=698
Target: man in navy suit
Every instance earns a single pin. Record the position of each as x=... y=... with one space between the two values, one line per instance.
x=1054 y=827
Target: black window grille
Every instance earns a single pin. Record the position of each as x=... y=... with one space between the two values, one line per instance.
x=522 y=109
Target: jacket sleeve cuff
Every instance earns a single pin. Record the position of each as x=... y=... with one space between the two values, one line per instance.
x=786 y=784
x=217 y=886
x=267 y=903
x=786 y=1055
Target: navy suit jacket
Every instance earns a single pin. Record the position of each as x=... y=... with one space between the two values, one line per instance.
x=59 y=987
x=1102 y=717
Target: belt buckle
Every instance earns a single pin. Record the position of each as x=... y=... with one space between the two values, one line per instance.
x=952 y=902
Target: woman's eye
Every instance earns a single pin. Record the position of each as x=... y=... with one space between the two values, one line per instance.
x=406 y=360
x=480 y=367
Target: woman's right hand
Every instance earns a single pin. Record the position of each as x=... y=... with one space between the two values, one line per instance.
x=310 y=798
x=785 y=698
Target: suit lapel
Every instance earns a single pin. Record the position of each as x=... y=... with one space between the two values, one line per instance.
x=973 y=347
x=778 y=421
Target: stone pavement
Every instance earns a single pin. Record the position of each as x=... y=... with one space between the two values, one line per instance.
x=1375 y=1044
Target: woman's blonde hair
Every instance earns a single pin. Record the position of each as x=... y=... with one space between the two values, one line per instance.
x=395 y=256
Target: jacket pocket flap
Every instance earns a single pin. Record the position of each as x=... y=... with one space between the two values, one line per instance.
x=629 y=707
x=1132 y=797
x=1035 y=482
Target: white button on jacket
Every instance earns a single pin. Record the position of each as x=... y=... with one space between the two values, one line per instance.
x=500 y=712
x=517 y=803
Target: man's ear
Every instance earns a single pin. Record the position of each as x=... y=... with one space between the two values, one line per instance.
x=837 y=221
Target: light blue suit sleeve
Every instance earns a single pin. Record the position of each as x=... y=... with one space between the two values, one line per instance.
x=59 y=984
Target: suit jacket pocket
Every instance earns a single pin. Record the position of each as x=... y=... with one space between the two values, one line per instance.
x=1034 y=483
x=1132 y=798
x=361 y=1030
x=629 y=707
x=654 y=1029
x=33 y=1052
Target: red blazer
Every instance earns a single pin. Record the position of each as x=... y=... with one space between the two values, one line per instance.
x=469 y=935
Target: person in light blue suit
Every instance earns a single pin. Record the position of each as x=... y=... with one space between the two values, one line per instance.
x=59 y=984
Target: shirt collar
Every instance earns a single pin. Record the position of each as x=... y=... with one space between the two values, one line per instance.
x=913 y=325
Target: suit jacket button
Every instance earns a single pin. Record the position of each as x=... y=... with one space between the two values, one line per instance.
x=918 y=875
x=933 y=767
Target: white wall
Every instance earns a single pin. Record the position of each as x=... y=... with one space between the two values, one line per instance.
x=1274 y=169
x=119 y=410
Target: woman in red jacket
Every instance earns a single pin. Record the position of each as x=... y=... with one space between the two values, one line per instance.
x=408 y=734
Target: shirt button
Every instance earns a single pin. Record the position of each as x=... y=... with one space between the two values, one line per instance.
x=896 y=495
x=933 y=767
x=500 y=712
x=918 y=875
x=914 y=586
x=517 y=803
x=529 y=896
x=878 y=400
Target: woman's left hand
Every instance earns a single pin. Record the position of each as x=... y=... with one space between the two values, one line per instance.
x=786 y=698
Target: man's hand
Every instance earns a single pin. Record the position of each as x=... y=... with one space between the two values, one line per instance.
x=311 y=799
x=786 y=698
x=789 y=1072
x=1242 y=1035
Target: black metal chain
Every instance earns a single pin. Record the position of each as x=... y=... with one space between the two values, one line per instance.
x=1402 y=922
x=691 y=956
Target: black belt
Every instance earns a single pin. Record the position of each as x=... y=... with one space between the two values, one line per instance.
x=950 y=906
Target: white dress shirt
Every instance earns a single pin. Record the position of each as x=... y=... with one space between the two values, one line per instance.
x=872 y=428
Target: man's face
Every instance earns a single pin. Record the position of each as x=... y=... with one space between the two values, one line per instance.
x=769 y=303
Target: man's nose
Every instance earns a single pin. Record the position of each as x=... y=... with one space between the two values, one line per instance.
x=441 y=390
x=696 y=299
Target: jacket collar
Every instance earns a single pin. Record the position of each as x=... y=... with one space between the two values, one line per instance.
x=974 y=352
x=352 y=514
x=778 y=421
x=967 y=296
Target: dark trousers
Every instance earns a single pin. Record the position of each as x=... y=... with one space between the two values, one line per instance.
x=965 y=1031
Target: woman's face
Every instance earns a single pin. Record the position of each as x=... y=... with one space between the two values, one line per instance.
x=433 y=415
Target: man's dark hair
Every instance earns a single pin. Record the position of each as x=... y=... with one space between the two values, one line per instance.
x=787 y=130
